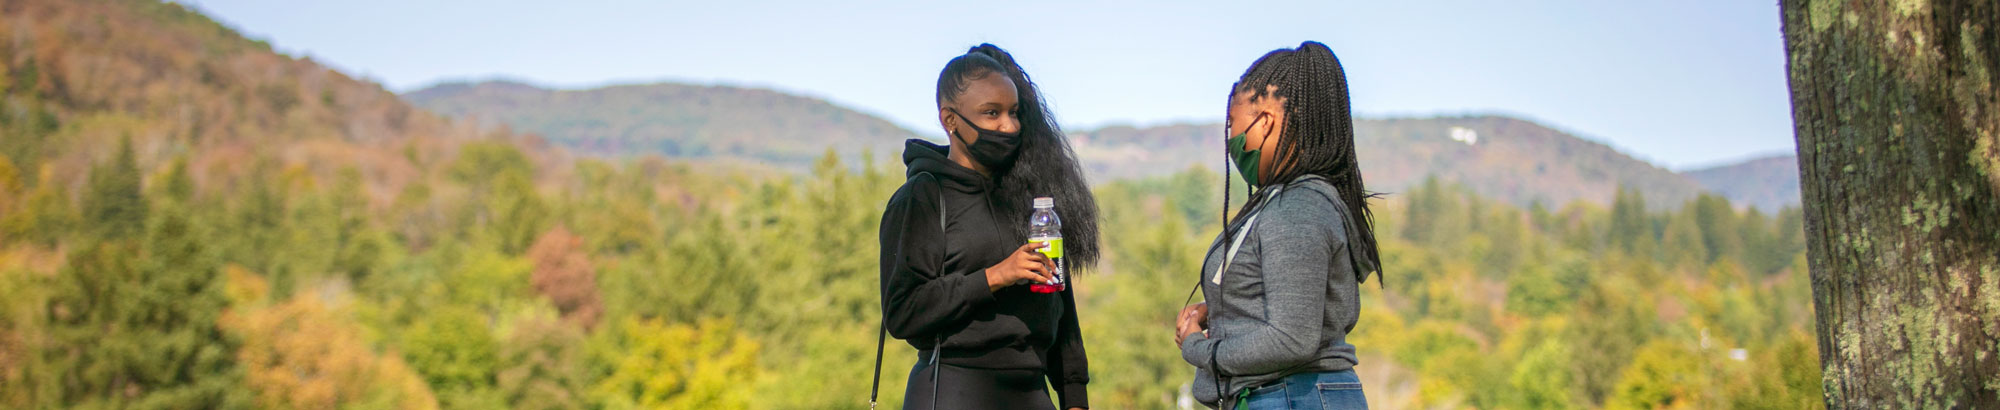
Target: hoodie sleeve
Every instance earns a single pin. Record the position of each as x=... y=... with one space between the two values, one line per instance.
x=918 y=296
x=1296 y=242
x=1068 y=370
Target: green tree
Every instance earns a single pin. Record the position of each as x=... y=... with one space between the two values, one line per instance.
x=503 y=205
x=174 y=184
x=457 y=355
x=10 y=186
x=488 y=283
x=310 y=239
x=1663 y=374
x=135 y=324
x=657 y=365
x=1542 y=379
x=1759 y=250
x=1506 y=236
x=1127 y=317
x=112 y=203
x=44 y=217
x=1681 y=245
x=703 y=273
x=363 y=246
x=542 y=365
x=1782 y=376
x=27 y=122
x=1607 y=325
x=816 y=309
x=1720 y=235
x=23 y=299
x=257 y=223
x=1547 y=289
x=1630 y=230
x=517 y=212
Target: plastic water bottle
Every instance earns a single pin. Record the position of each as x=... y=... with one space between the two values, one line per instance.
x=1045 y=228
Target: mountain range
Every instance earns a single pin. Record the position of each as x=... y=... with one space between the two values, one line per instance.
x=1511 y=159
x=675 y=120
x=1767 y=183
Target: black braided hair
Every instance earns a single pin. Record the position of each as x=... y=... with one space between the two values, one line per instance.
x=1045 y=166
x=1319 y=130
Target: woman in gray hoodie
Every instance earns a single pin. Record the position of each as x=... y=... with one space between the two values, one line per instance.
x=1281 y=282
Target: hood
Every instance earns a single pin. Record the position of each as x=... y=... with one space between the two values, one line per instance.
x=1357 y=249
x=921 y=156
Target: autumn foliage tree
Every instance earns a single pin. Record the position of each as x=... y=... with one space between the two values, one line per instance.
x=563 y=274
x=304 y=354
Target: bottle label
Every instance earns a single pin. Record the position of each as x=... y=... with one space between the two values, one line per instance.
x=1054 y=251
x=1055 y=248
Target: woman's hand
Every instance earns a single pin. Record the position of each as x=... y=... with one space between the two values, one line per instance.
x=1193 y=318
x=1024 y=266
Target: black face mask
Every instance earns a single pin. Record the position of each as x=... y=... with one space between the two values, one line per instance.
x=994 y=149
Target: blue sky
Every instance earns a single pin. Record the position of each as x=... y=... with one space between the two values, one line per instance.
x=1682 y=84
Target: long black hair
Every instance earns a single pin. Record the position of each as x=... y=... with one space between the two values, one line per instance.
x=1045 y=166
x=1319 y=130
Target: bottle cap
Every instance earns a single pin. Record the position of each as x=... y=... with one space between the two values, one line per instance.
x=1045 y=202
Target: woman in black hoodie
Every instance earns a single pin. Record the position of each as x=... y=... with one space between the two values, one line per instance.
x=955 y=248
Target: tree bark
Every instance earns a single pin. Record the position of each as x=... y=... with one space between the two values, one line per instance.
x=1898 y=131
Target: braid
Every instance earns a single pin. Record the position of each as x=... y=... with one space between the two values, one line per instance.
x=1319 y=129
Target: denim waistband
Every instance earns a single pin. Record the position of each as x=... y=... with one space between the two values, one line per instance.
x=1309 y=379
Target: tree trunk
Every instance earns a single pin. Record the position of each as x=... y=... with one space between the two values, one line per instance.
x=1898 y=127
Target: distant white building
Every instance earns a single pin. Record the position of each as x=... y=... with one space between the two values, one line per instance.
x=1465 y=135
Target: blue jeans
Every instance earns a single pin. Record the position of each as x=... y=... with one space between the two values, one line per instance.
x=1326 y=391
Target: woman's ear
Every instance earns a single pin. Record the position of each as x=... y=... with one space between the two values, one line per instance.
x=948 y=121
x=1262 y=125
x=1272 y=111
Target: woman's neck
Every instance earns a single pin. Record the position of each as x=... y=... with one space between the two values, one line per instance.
x=958 y=156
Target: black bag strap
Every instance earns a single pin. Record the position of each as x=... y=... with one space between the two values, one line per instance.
x=882 y=333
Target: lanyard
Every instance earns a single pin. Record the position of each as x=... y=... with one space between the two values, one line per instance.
x=1235 y=244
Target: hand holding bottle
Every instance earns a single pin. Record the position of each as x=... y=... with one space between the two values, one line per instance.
x=1045 y=227
x=1026 y=265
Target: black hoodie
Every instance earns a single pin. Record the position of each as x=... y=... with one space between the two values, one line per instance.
x=934 y=281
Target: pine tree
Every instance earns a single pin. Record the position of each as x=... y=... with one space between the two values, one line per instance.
x=1719 y=232
x=135 y=324
x=1681 y=245
x=1630 y=229
x=12 y=223
x=112 y=204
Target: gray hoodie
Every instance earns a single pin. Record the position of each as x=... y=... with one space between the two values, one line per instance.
x=1289 y=296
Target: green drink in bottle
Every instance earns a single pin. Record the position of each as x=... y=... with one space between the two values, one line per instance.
x=1045 y=228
